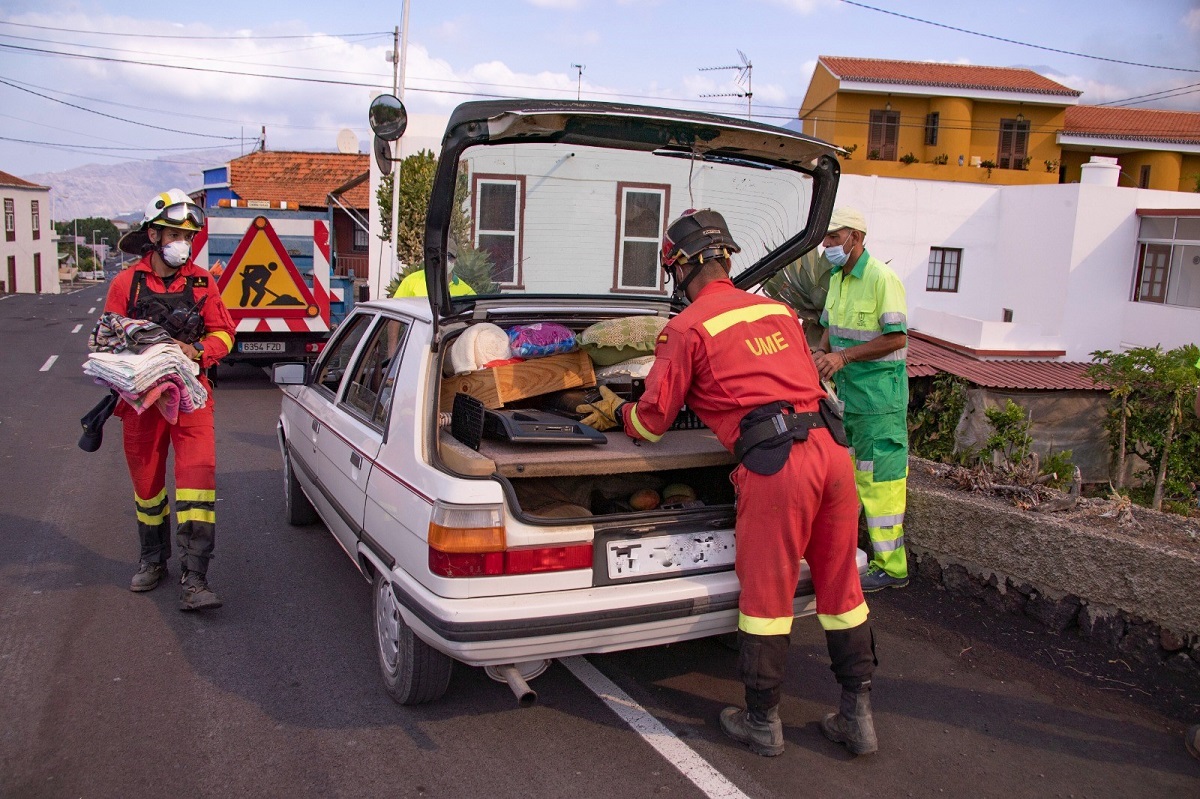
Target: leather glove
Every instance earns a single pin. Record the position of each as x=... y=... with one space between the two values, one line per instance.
x=604 y=413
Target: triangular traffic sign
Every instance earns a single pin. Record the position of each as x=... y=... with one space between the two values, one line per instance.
x=260 y=279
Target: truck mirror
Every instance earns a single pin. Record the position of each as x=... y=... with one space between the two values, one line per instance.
x=388 y=117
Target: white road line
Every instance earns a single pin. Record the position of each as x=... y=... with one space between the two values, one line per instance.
x=712 y=782
x=77 y=328
x=49 y=362
x=92 y=310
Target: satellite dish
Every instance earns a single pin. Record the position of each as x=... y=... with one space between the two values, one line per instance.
x=383 y=155
x=347 y=142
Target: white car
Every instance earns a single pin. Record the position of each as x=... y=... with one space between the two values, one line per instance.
x=495 y=530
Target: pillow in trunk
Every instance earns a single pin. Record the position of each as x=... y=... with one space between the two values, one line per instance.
x=616 y=340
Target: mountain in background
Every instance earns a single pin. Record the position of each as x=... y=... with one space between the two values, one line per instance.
x=113 y=190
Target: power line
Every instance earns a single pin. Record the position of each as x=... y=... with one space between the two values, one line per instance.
x=1014 y=41
x=1161 y=95
x=119 y=119
x=108 y=147
x=197 y=38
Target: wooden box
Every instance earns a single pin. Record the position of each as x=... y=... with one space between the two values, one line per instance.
x=501 y=384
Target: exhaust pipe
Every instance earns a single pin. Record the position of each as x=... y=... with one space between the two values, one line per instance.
x=526 y=696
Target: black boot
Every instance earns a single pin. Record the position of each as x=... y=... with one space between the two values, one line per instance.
x=195 y=593
x=149 y=575
x=852 y=725
x=762 y=732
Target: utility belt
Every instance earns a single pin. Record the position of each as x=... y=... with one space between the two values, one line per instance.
x=769 y=432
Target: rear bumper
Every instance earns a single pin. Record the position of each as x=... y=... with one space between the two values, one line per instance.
x=497 y=630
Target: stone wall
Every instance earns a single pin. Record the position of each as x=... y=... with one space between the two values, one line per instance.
x=1136 y=592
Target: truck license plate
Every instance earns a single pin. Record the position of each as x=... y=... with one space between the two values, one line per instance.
x=261 y=346
x=670 y=554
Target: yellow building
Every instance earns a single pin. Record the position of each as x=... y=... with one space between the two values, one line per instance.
x=938 y=121
x=999 y=125
x=1155 y=149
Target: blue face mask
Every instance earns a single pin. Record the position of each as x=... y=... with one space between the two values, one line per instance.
x=837 y=255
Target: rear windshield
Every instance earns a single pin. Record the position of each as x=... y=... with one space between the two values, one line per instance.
x=544 y=218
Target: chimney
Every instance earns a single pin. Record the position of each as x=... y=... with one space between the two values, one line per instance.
x=1100 y=171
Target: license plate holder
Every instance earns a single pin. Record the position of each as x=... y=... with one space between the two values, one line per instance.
x=257 y=347
x=669 y=554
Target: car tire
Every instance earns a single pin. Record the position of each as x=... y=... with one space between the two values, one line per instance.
x=300 y=512
x=413 y=672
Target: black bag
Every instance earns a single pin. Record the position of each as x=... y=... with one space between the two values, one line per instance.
x=93 y=422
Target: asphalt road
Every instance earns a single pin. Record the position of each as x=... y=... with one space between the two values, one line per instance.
x=106 y=693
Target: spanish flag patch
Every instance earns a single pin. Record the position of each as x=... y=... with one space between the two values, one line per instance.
x=662 y=337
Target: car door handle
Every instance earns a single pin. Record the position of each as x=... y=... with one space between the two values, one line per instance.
x=356 y=460
x=316 y=426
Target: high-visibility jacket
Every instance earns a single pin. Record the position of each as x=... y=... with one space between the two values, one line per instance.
x=415 y=286
x=863 y=304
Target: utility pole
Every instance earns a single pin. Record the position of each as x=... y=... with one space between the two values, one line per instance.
x=399 y=54
x=579 y=68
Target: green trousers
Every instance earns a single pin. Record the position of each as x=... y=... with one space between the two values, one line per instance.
x=879 y=447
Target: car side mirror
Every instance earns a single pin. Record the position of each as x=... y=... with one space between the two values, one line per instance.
x=289 y=374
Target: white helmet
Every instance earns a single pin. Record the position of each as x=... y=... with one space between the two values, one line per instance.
x=172 y=208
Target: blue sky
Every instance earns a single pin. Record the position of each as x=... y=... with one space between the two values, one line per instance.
x=642 y=51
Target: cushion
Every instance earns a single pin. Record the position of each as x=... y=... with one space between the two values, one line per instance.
x=620 y=372
x=478 y=346
x=540 y=339
x=616 y=340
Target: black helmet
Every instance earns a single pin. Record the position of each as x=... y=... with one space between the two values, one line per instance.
x=697 y=234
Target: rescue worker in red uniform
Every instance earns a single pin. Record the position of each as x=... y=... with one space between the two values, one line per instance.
x=167 y=288
x=741 y=363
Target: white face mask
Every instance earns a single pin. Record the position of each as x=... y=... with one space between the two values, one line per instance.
x=837 y=255
x=176 y=253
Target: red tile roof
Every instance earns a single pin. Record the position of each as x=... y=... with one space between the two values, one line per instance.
x=12 y=180
x=926 y=358
x=1175 y=127
x=951 y=76
x=301 y=178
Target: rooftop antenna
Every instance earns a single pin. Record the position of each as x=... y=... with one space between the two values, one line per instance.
x=579 y=68
x=744 y=78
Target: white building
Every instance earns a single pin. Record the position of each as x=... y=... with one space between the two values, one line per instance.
x=28 y=252
x=1053 y=271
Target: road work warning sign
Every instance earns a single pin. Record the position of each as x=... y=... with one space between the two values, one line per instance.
x=261 y=280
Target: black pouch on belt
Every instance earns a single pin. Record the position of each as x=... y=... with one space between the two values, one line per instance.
x=766 y=440
x=833 y=421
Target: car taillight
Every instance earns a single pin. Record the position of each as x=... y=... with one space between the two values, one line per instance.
x=314 y=347
x=468 y=541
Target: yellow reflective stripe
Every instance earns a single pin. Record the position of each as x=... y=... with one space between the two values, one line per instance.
x=639 y=427
x=225 y=337
x=844 y=621
x=195 y=495
x=197 y=515
x=150 y=503
x=151 y=519
x=757 y=626
x=724 y=321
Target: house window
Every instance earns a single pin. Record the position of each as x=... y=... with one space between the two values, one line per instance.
x=362 y=240
x=37 y=219
x=1014 y=144
x=639 y=239
x=498 y=214
x=943 y=269
x=931 y=128
x=1168 y=261
x=10 y=220
x=882 y=135
x=1144 y=177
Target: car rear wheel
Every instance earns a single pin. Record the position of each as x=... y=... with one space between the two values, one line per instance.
x=413 y=672
x=300 y=511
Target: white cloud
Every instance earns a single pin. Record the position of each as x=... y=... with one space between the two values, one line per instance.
x=1191 y=20
x=561 y=5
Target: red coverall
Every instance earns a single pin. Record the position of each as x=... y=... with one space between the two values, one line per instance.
x=726 y=354
x=148 y=435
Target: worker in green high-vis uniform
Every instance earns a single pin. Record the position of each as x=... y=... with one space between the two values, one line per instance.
x=863 y=352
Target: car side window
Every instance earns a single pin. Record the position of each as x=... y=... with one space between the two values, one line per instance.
x=370 y=388
x=336 y=359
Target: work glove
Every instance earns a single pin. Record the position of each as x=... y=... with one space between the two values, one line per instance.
x=604 y=413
